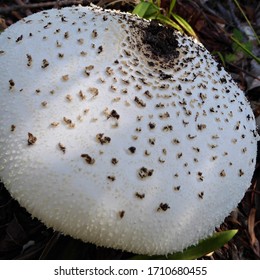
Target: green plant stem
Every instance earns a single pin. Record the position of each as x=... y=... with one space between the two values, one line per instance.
x=172 y=5
x=257 y=59
x=247 y=20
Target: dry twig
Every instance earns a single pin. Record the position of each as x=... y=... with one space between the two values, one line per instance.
x=6 y=10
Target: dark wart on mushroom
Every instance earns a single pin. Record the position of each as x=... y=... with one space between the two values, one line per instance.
x=138 y=136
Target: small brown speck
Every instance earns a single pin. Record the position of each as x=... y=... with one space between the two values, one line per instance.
x=164 y=115
x=179 y=155
x=161 y=160
x=13 y=127
x=113 y=88
x=31 y=139
x=68 y=97
x=201 y=126
x=121 y=214
x=45 y=63
x=11 y=84
x=167 y=128
x=222 y=173
x=29 y=60
x=144 y=172
x=80 y=41
x=109 y=71
x=139 y=118
x=20 y=38
x=241 y=172
x=111 y=178
x=83 y=53
x=90 y=160
x=62 y=148
x=114 y=161
x=237 y=125
x=139 y=102
x=58 y=44
x=100 y=49
x=82 y=95
x=200 y=175
x=113 y=114
x=54 y=124
x=151 y=125
x=213 y=146
x=191 y=136
x=201 y=195
x=132 y=149
x=175 y=141
x=163 y=207
x=177 y=188
x=69 y=122
x=65 y=78
x=44 y=104
x=88 y=69
x=103 y=139
x=151 y=141
x=196 y=149
x=94 y=33
x=140 y=195
x=94 y=91
x=148 y=94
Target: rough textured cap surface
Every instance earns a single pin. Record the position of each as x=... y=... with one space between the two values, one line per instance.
x=120 y=132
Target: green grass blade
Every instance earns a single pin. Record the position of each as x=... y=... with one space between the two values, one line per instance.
x=257 y=59
x=247 y=20
x=172 y=5
x=184 y=24
x=220 y=55
x=145 y=10
x=204 y=247
x=166 y=21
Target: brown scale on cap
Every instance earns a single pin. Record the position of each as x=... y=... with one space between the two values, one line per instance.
x=62 y=147
x=102 y=139
x=65 y=78
x=45 y=63
x=11 y=84
x=31 y=139
x=13 y=127
x=90 y=160
x=163 y=207
x=121 y=214
x=140 y=195
x=68 y=122
x=29 y=60
x=145 y=172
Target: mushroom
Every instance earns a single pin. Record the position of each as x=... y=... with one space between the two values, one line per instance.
x=120 y=132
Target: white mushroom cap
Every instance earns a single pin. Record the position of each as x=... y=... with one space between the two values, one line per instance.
x=113 y=137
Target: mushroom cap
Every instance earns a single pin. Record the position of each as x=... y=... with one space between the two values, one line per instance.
x=121 y=132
